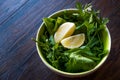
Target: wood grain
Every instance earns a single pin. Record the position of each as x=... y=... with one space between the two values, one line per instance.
x=19 y=22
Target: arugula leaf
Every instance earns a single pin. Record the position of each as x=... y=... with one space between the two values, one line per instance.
x=79 y=7
x=49 y=22
x=58 y=23
x=51 y=40
x=91 y=18
x=105 y=21
x=87 y=7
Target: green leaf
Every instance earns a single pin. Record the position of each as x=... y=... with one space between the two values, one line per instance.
x=78 y=63
x=79 y=27
x=105 y=21
x=51 y=40
x=58 y=23
x=91 y=18
x=87 y=7
x=49 y=23
x=79 y=6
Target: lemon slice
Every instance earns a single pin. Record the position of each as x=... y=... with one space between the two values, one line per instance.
x=73 y=41
x=65 y=30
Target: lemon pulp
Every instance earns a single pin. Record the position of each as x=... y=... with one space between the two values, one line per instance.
x=74 y=41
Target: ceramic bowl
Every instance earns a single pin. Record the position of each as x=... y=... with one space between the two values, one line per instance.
x=106 y=39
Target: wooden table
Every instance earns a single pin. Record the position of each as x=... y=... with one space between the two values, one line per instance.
x=19 y=21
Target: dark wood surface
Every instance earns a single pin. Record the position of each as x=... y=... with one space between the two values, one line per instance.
x=19 y=21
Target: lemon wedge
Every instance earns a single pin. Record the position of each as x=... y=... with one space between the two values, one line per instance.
x=65 y=30
x=74 y=41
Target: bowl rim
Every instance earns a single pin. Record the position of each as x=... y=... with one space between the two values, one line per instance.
x=69 y=73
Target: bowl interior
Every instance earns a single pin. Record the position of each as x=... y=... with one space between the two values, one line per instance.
x=106 y=41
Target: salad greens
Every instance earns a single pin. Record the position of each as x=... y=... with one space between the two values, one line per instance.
x=80 y=59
